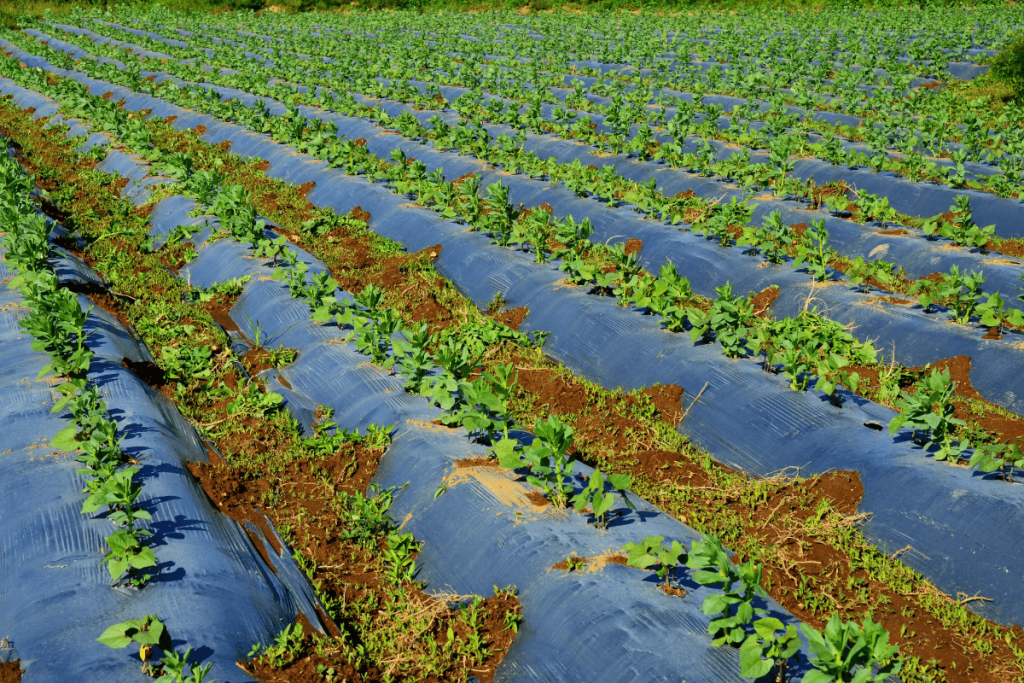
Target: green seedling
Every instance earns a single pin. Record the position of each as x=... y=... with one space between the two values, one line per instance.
x=573 y=564
x=929 y=413
x=366 y=517
x=739 y=586
x=147 y=632
x=287 y=646
x=861 y=272
x=172 y=668
x=1001 y=456
x=549 y=461
x=727 y=322
x=126 y=553
x=994 y=313
x=651 y=551
x=398 y=555
x=119 y=493
x=848 y=653
x=813 y=250
x=599 y=500
x=770 y=646
x=961 y=228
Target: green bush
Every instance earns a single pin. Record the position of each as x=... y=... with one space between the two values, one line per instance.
x=1008 y=65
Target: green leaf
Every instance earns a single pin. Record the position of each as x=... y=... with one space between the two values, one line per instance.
x=751 y=663
x=117 y=636
x=767 y=627
x=65 y=439
x=145 y=558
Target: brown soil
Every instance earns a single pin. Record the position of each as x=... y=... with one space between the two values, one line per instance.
x=1013 y=247
x=219 y=309
x=799 y=229
x=667 y=399
x=633 y=245
x=476 y=462
x=769 y=526
x=538 y=499
x=993 y=333
x=766 y=521
x=672 y=590
x=1006 y=428
x=763 y=301
x=101 y=297
x=256 y=361
x=303 y=494
x=898 y=231
x=150 y=373
x=10 y=672
x=513 y=318
x=360 y=214
x=892 y=300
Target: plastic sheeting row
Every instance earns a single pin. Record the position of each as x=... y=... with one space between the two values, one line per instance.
x=746 y=417
x=211 y=587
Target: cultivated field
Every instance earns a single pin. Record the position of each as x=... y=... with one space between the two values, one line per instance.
x=409 y=346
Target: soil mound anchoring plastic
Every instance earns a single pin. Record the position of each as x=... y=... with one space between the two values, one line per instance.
x=745 y=418
x=612 y=622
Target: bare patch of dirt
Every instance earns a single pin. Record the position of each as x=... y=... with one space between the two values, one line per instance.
x=764 y=299
x=513 y=318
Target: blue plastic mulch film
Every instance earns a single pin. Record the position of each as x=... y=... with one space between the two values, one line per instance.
x=745 y=417
x=211 y=587
x=917 y=255
x=915 y=198
x=482 y=530
x=635 y=630
x=889 y=324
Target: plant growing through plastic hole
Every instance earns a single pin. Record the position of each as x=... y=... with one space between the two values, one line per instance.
x=861 y=272
x=847 y=652
x=769 y=647
x=652 y=551
x=961 y=228
x=126 y=553
x=548 y=460
x=485 y=402
x=173 y=670
x=600 y=500
x=929 y=413
x=119 y=493
x=1001 y=456
x=965 y=292
x=813 y=250
x=772 y=237
x=147 y=632
x=995 y=314
x=739 y=585
x=727 y=322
